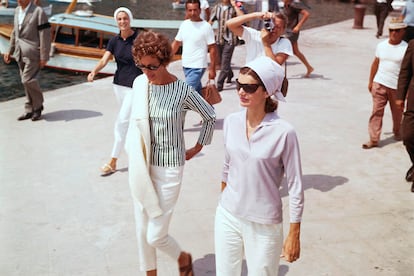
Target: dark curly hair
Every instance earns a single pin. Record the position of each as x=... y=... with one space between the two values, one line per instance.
x=150 y=43
x=270 y=105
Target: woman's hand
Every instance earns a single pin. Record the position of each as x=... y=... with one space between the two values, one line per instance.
x=193 y=151
x=91 y=75
x=291 y=247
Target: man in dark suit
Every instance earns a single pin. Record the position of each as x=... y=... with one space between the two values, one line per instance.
x=405 y=91
x=30 y=46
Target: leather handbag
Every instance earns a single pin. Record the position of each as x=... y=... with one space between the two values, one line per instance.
x=210 y=93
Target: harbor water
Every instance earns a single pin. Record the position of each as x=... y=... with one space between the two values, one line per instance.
x=322 y=13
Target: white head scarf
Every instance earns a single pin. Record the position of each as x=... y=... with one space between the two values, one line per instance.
x=271 y=74
x=123 y=9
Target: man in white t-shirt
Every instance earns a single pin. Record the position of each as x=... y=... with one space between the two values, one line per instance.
x=197 y=38
x=268 y=41
x=383 y=80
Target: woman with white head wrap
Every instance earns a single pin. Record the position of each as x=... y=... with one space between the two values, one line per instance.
x=119 y=47
x=260 y=149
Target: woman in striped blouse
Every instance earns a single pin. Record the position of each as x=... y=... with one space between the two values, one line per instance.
x=159 y=115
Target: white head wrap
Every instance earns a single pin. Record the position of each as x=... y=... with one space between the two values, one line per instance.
x=125 y=10
x=271 y=74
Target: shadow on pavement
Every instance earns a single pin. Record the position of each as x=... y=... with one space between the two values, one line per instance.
x=70 y=115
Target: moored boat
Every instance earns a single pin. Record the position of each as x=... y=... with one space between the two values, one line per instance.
x=79 y=38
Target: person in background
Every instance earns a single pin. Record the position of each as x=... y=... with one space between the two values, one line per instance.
x=383 y=80
x=30 y=43
x=381 y=10
x=226 y=41
x=293 y=11
x=197 y=39
x=260 y=149
x=407 y=14
x=120 y=48
x=267 y=42
x=405 y=92
x=274 y=5
x=205 y=10
x=156 y=148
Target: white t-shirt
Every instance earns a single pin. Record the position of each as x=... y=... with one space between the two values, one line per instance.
x=390 y=57
x=195 y=38
x=255 y=47
x=203 y=6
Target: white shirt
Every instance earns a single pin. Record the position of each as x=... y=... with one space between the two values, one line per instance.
x=203 y=6
x=255 y=47
x=390 y=58
x=195 y=38
x=254 y=168
x=22 y=14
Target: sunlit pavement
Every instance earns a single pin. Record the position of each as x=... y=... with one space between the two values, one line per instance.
x=58 y=216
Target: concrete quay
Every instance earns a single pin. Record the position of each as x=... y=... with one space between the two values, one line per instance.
x=58 y=216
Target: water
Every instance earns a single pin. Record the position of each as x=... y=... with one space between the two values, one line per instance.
x=323 y=12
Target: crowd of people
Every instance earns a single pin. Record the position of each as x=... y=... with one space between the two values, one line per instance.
x=260 y=148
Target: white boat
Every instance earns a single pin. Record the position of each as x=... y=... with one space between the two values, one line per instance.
x=78 y=41
x=398 y=5
x=178 y=5
x=79 y=38
x=5 y=10
x=88 y=2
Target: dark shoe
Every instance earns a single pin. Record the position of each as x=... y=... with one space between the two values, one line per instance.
x=370 y=145
x=25 y=116
x=397 y=137
x=229 y=78
x=409 y=175
x=219 y=88
x=412 y=187
x=37 y=115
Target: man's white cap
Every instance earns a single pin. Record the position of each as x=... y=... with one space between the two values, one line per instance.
x=271 y=74
x=125 y=10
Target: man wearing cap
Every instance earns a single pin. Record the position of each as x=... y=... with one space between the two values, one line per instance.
x=383 y=81
x=405 y=92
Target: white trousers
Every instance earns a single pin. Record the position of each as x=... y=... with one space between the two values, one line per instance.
x=260 y=243
x=152 y=233
x=122 y=120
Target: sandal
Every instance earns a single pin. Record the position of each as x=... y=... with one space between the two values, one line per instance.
x=370 y=145
x=107 y=170
x=188 y=269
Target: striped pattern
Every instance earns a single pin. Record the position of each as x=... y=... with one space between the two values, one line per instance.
x=168 y=105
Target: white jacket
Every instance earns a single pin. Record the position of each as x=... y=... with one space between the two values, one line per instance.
x=137 y=145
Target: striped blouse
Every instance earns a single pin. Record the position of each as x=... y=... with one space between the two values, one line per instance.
x=168 y=105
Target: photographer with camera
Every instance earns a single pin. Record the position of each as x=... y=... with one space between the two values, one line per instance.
x=268 y=41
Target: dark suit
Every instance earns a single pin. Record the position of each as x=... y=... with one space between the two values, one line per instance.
x=405 y=91
x=29 y=45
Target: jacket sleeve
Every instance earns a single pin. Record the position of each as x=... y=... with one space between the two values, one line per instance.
x=406 y=72
x=44 y=30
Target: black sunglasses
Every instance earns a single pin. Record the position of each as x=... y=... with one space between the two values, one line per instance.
x=148 y=67
x=248 y=88
x=395 y=30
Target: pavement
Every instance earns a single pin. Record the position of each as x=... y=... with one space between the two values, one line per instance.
x=58 y=216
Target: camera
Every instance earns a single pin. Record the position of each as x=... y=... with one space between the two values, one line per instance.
x=268 y=25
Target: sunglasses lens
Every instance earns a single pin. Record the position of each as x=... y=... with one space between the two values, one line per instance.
x=248 y=88
x=149 y=67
